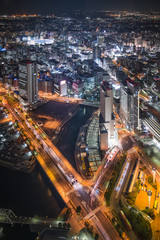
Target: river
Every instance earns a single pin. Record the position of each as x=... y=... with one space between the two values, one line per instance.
x=32 y=194
x=27 y=195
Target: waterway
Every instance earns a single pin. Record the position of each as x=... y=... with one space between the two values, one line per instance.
x=67 y=140
x=27 y=195
x=57 y=111
x=32 y=194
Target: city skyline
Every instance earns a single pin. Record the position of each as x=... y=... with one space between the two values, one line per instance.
x=51 y=7
x=80 y=125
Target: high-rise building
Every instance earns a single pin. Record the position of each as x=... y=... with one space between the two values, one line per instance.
x=28 y=81
x=103 y=137
x=63 y=87
x=116 y=90
x=96 y=52
x=106 y=109
x=106 y=103
x=100 y=40
x=77 y=88
x=129 y=106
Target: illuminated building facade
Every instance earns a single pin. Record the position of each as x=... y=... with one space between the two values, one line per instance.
x=63 y=88
x=106 y=110
x=77 y=88
x=129 y=105
x=28 y=81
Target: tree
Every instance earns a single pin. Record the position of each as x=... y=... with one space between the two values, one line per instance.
x=96 y=236
x=59 y=224
x=141 y=227
x=157 y=234
x=150 y=212
x=68 y=225
x=78 y=210
x=87 y=224
x=64 y=225
x=67 y=214
x=91 y=229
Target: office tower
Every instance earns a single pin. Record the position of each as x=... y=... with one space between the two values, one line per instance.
x=103 y=137
x=100 y=40
x=116 y=90
x=138 y=41
x=106 y=109
x=129 y=106
x=28 y=81
x=96 y=52
x=77 y=88
x=63 y=87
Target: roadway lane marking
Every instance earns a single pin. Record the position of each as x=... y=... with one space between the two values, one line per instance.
x=101 y=229
x=91 y=188
x=71 y=191
x=91 y=214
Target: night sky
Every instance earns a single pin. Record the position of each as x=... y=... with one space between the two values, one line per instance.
x=51 y=6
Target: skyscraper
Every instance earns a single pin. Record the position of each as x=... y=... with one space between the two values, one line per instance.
x=106 y=109
x=129 y=105
x=28 y=81
x=100 y=40
x=96 y=52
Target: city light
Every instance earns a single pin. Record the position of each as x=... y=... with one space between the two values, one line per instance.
x=80 y=121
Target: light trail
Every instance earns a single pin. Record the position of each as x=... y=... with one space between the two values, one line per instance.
x=121 y=179
x=59 y=171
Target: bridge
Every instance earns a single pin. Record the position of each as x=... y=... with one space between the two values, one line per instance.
x=70 y=100
x=7 y=216
x=89 y=103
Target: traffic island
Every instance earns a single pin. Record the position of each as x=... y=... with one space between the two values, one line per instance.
x=140 y=226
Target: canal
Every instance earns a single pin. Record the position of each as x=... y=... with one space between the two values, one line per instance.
x=31 y=194
x=27 y=195
x=67 y=139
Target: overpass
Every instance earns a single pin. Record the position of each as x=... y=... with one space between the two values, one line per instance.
x=70 y=100
x=90 y=103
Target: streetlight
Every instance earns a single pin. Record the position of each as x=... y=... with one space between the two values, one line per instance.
x=149 y=193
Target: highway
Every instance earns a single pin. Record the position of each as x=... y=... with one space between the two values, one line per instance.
x=104 y=173
x=119 y=187
x=65 y=179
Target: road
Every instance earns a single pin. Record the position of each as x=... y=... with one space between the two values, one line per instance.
x=119 y=187
x=104 y=173
x=58 y=98
x=62 y=175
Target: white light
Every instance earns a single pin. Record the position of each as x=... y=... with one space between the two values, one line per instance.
x=63 y=82
x=29 y=154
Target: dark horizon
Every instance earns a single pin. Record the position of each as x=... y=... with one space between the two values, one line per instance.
x=49 y=7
